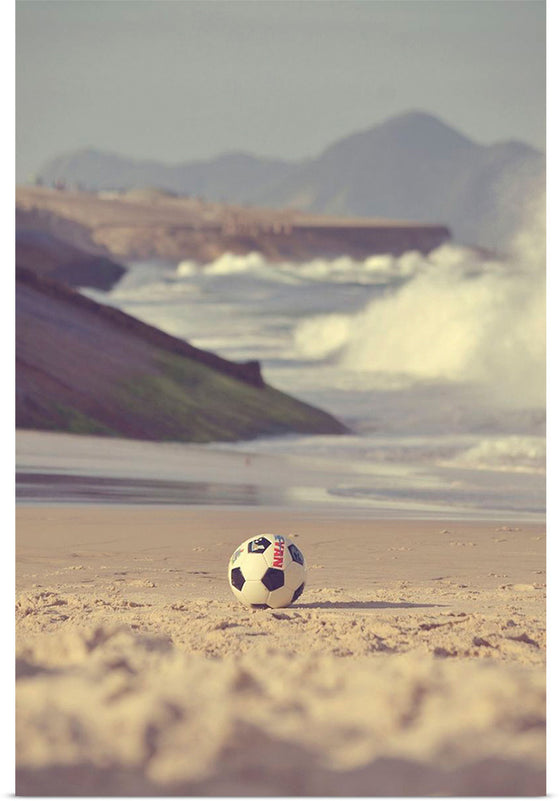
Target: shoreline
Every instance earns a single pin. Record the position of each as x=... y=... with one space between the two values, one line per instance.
x=335 y=512
x=79 y=469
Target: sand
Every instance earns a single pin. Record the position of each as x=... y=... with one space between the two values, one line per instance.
x=413 y=663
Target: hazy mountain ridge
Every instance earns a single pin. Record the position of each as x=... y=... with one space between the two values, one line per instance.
x=228 y=177
x=411 y=167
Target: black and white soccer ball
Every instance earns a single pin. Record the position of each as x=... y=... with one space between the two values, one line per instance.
x=267 y=571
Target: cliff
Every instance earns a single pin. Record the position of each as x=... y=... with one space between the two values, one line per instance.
x=149 y=224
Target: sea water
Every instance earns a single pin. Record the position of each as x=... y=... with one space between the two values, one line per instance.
x=435 y=363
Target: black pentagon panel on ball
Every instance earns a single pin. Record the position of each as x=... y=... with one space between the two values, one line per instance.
x=297 y=593
x=259 y=545
x=237 y=578
x=297 y=555
x=273 y=579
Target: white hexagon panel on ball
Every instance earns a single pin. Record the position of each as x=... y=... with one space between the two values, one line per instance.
x=267 y=571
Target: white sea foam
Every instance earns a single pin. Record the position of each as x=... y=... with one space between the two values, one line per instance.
x=514 y=453
x=379 y=268
x=458 y=318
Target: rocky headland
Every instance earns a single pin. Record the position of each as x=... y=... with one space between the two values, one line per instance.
x=144 y=224
x=86 y=368
x=46 y=254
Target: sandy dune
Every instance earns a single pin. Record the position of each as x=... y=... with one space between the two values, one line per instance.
x=412 y=664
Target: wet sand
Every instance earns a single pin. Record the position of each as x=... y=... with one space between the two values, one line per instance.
x=413 y=663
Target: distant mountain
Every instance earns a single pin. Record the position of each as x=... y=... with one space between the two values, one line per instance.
x=232 y=177
x=411 y=167
x=414 y=167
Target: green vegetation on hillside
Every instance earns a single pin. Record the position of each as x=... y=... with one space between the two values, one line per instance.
x=185 y=400
x=89 y=369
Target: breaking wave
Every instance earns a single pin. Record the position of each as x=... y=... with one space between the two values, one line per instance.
x=344 y=269
x=515 y=453
x=458 y=318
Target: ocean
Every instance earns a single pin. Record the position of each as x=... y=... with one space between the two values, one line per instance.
x=435 y=363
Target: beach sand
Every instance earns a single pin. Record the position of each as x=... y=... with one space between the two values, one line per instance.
x=413 y=663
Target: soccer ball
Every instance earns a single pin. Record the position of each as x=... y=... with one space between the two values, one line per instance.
x=267 y=571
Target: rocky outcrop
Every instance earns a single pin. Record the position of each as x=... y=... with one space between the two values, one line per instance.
x=40 y=251
x=86 y=368
x=249 y=372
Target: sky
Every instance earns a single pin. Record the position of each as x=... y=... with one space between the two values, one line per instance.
x=183 y=80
